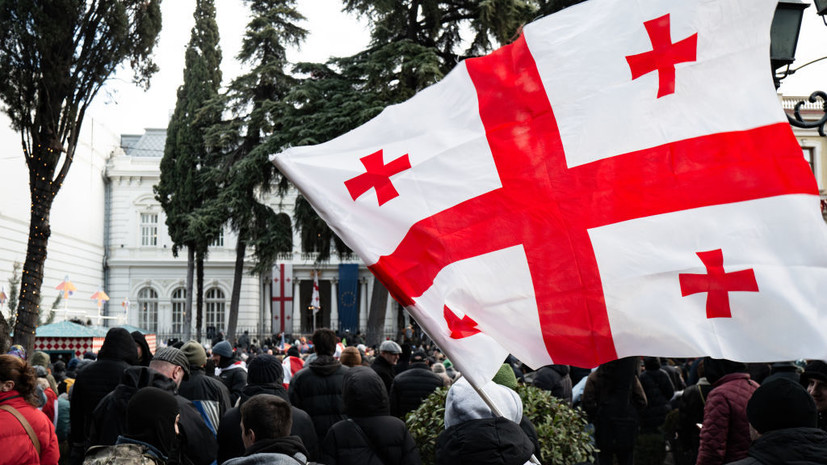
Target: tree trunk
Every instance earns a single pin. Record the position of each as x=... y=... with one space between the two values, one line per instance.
x=188 y=310
x=375 y=332
x=235 y=298
x=199 y=297
x=5 y=331
x=28 y=310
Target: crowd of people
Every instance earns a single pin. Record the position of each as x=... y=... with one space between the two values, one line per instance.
x=331 y=399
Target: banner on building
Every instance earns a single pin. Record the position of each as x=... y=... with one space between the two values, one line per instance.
x=282 y=300
x=348 y=298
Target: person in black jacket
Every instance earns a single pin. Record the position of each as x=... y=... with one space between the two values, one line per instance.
x=555 y=379
x=474 y=435
x=231 y=371
x=317 y=388
x=209 y=395
x=265 y=377
x=96 y=381
x=413 y=385
x=783 y=420
x=659 y=391
x=144 y=354
x=384 y=364
x=370 y=436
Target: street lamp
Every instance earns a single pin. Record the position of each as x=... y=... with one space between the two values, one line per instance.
x=786 y=25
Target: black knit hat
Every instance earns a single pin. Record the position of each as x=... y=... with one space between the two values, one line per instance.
x=816 y=369
x=265 y=369
x=780 y=404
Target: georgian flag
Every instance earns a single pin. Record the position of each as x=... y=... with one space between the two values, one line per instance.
x=620 y=180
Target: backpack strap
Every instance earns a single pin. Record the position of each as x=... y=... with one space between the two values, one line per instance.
x=367 y=439
x=25 y=424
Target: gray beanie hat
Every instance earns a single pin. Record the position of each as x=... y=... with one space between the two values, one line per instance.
x=223 y=349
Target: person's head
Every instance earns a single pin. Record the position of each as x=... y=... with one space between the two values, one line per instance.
x=779 y=404
x=17 y=375
x=390 y=351
x=814 y=379
x=40 y=358
x=324 y=342
x=463 y=403
x=350 y=357
x=265 y=369
x=144 y=354
x=18 y=351
x=419 y=356
x=195 y=353
x=364 y=393
x=152 y=417
x=172 y=363
x=265 y=416
x=119 y=345
x=222 y=349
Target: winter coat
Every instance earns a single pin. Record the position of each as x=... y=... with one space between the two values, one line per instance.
x=234 y=376
x=383 y=439
x=556 y=379
x=725 y=434
x=385 y=371
x=209 y=395
x=317 y=389
x=109 y=418
x=280 y=451
x=17 y=446
x=99 y=379
x=690 y=415
x=788 y=446
x=229 y=431
x=494 y=441
x=659 y=391
x=612 y=398
x=411 y=387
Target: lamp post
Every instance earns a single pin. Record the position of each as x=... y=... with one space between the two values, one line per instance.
x=786 y=26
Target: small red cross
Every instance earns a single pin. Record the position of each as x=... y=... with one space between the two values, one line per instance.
x=717 y=283
x=378 y=177
x=664 y=55
x=460 y=328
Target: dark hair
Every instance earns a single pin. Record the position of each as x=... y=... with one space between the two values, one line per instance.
x=324 y=341
x=268 y=416
x=25 y=378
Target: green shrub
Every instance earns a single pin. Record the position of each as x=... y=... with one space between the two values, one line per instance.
x=561 y=430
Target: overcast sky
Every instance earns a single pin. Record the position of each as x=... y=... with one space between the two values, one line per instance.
x=125 y=109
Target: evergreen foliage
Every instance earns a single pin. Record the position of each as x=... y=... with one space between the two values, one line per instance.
x=183 y=185
x=561 y=431
x=54 y=57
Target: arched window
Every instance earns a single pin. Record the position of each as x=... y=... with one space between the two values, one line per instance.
x=215 y=308
x=179 y=303
x=148 y=309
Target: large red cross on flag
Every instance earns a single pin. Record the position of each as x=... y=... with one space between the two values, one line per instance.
x=559 y=188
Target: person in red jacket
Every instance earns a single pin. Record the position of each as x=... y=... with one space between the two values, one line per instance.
x=725 y=435
x=18 y=389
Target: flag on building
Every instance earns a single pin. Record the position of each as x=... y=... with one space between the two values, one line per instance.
x=282 y=300
x=67 y=287
x=348 y=297
x=315 y=303
x=621 y=180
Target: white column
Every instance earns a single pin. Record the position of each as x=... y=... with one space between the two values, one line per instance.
x=334 y=304
x=363 y=303
x=390 y=316
x=297 y=312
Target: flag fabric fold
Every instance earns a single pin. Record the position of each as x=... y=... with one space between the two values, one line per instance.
x=620 y=180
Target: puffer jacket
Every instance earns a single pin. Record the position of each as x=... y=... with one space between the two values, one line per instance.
x=487 y=441
x=234 y=376
x=385 y=371
x=229 y=431
x=370 y=436
x=109 y=418
x=209 y=395
x=97 y=380
x=317 y=389
x=800 y=446
x=411 y=386
x=725 y=434
x=287 y=450
x=17 y=446
x=659 y=390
